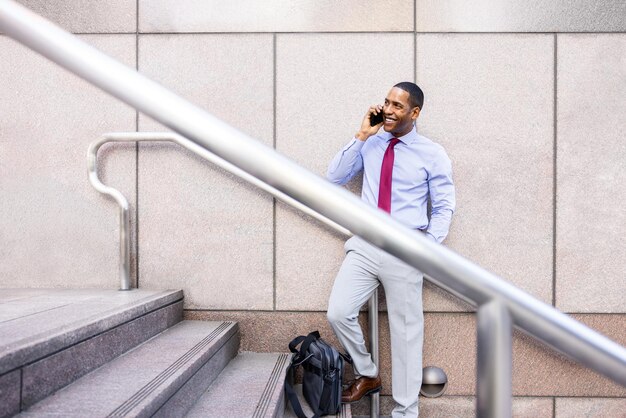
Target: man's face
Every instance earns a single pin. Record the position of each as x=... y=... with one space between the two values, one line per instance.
x=399 y=115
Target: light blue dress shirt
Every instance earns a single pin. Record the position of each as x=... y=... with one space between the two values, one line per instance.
x=421 y=168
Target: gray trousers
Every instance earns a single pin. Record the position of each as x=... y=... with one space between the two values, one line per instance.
x=363 y=269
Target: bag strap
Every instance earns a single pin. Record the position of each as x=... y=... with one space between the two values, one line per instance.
x=315 y=335
x=346 y=357
x=300 y=355
x=295 y=402
x=294 y=343
x=298 y=358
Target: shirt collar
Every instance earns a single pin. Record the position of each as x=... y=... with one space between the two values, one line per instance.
x=406 y=139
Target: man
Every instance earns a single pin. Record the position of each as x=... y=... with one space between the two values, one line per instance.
x=402 y=171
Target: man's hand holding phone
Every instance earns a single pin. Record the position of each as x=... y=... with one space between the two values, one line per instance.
x=372 y=122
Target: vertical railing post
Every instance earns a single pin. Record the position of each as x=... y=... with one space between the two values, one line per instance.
x=125 y=248
x=494 y=361
x=124 y=212
x=373 y=323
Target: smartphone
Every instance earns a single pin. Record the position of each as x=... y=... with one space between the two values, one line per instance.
x=376 y=119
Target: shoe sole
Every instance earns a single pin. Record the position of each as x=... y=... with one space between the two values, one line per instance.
x=369 y=392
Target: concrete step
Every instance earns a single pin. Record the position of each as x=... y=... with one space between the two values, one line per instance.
x=251 y=386
x=162 y=377
x=51 y=337
x=345 y=411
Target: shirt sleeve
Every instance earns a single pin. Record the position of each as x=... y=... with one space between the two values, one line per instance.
x=442 y=198
x=347 y=163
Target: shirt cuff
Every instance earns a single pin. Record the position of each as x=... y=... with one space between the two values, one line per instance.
x=431 y=237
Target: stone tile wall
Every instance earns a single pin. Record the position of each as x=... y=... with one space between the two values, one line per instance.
x=528 y=104
x=55 y=230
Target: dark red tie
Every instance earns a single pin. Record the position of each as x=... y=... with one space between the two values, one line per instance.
x=384 y=190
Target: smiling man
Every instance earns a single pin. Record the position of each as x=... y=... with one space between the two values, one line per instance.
x=403 y=170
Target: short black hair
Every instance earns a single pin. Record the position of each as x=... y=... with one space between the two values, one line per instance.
x=416 y=95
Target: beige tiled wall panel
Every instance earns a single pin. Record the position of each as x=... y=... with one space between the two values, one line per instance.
x=449 y=343
x=88 y=16
x=520 y=16
x=590 y=408
x=458 y=407
x=322 y=94
x=591 y=217
x=489 y=102
x=55 y=229
x=275 y=16
x=201 y=229
x=465 y=407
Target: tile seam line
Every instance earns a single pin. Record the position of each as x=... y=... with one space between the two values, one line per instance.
x=137 y=153
x=414 y=16
x=34 y=313
x=415 y=41
x=414 y=58
x=356 y=32
x=587 y=397
x=554 y=164
x=267 y=33
x=546 y=397
x=274 y=133
x=304 y=311
x=93 y=336
x=520 y=32
x=382 y=311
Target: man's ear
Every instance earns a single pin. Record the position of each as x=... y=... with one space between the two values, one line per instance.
x=415 y=113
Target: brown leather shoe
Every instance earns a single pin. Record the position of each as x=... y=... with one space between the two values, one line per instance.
x=361 y=387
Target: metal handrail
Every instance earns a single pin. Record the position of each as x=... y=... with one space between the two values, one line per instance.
x=124 y=212
x=92 y=167
x=444 y=267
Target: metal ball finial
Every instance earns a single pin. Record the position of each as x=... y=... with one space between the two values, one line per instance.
x=434 y=382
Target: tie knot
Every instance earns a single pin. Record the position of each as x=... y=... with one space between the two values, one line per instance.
x=393 y=142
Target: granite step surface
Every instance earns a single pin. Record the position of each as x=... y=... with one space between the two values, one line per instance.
x=51 y=337
x=162 y=377
x=345 y=411
x=251 y=386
